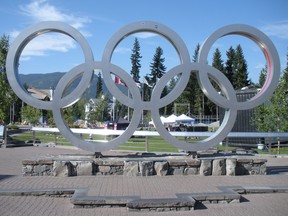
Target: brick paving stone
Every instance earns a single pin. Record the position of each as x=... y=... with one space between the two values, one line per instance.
x=146 y=187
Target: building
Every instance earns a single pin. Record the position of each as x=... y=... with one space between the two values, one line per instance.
x=244 y=120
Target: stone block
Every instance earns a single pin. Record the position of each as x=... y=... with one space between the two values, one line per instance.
x=206 y=167
x=113 y=162
x=193 y=162
x=84 y=168
x=176 y=162
x=29 y=162
x=104 y=169
x=116 y=170
x=259 y=161
x=161 y=168
x=46 y=161
x=219 y=167
x=244 y=160
x=231 y=167
x=131 y=168
x=146 y=168
x=61 y=169
x=263 y=169
x=27 y=170
x=42 y=170
x=178 y=170
x=98 y=161
x=191 y=171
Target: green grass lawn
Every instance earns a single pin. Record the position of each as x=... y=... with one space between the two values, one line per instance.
x=155 y=144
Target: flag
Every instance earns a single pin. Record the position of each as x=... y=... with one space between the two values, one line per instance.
x=119 y=81
x=146 y=82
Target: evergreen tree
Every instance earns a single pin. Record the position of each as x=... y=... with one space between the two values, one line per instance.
x=196 y=53
x=240 y=76
x=217 y=60
x=262 y=77
x=135 y=61
x=157 y=66
x=192 y=90
x=158 y=69
x=99 y=90
x=217 y=63
x=199 y=97
x=230 y=65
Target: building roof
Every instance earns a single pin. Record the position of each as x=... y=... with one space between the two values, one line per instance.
x=41 y=94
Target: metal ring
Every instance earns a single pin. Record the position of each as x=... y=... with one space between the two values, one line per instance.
x=23 y=39
x=269 y=51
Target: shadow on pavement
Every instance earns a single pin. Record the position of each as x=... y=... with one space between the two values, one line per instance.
x=2 y=177
x=277 y=170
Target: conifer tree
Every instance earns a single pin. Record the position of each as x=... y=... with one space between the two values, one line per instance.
x=157 y=66
x=158 y=69
x=262 y=77
x=192 y=90
x=135 y=61
x=99 y=90
x=240 y=76
x=217 y=60
x=230 y=65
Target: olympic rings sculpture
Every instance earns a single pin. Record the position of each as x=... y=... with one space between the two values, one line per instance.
x=85 y=70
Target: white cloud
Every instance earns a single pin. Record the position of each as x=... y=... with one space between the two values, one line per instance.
x=122 y=50
x=278 y=29
x=145 y=35
x=60 y=43
x=42 y=10
x=260 y=66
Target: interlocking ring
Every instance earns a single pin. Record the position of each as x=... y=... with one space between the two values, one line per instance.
x=183 y=70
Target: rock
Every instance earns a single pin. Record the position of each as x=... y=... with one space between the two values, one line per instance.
x=263 y=169
x=161 y=168
x=146 y=168
x=206 y=167
x=84 y=168
x=131 y=168
x=193 y=162
x=61 y=169
x=178 y=170
x=191 y=171
x=219 y=167
x=104 y=169
x=231 y=167
x=176 y=162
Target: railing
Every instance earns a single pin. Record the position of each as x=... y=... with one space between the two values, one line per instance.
x=270 y=136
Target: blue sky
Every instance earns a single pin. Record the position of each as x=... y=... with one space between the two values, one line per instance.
x=193 y=21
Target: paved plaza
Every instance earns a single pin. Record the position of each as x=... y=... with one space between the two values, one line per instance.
x=152 y=187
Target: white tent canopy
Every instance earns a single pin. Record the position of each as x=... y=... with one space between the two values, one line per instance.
x=163 y=120
x=184 y=117
x=173 y=119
